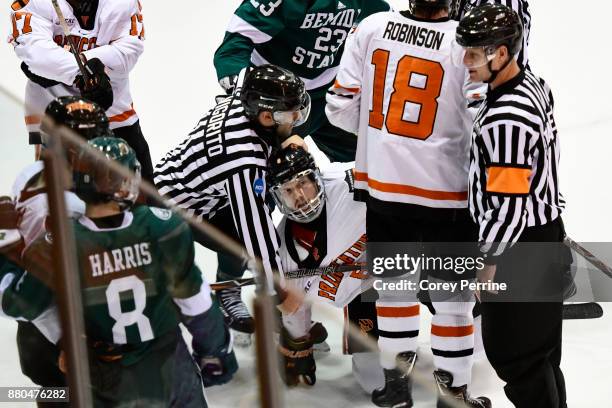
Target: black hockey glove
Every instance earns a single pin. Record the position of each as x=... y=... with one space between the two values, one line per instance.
x=98 y=89
x=229 y=84
x=213 y=346
x=9 y=216
x=44 y=82
x=297 y=360
x=217 y=370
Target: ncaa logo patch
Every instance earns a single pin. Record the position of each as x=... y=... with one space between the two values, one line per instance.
x=259 y=186
x=161 y=213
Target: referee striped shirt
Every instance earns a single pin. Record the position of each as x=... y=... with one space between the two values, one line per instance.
x=514 y=162
x=520 y=6
x=222 y=163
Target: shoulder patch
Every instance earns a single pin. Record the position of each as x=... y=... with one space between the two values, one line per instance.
x=161 y=213
x=259 y=186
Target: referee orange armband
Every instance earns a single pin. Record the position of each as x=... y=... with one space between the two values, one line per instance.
x=508 y=180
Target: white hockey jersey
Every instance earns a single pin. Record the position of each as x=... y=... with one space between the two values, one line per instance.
x=338 y=237
x=398 y=89
x=31 y=200
x=116 y=38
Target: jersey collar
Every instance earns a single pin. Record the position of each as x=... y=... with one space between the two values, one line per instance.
x=90 y=225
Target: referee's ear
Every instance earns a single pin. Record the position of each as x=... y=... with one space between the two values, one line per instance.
x=502 y=54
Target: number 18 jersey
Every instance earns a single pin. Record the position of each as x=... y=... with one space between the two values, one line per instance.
x=398 y=88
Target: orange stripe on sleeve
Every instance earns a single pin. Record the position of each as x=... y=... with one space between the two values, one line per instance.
x=32 y=119
x=510 y=180
x=122 y=116
x=353 y=90
x=403 y=311
x=452 y=331
x=411 y=190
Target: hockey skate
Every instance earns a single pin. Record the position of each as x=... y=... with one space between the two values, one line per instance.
x=397 y=391
x=236 y=316
x=444 y=379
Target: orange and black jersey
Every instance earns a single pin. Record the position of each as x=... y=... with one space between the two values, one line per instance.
x=514 y=162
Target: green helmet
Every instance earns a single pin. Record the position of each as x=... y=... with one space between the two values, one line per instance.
x=95 y=182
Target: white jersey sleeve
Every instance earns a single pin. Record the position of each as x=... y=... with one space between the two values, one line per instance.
x=32 y=37
x=122 y=32
x=32 y=203
x=344 y=97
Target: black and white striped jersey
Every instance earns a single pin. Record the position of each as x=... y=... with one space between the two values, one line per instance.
x=520 y=6
x=223 y=163
x=514 y=162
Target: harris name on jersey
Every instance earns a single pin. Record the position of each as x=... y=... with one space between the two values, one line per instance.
x=120 y=259
x=415 y=35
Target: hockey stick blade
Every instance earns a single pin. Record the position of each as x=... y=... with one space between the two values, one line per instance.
x=575 y=311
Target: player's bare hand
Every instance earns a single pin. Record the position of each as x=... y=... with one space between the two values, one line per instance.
x=296 y=140
x=292 y=302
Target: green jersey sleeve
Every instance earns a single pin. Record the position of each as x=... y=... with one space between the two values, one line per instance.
x=22 y=295
x=177 y=256
x=254 y=22
x=373 y=6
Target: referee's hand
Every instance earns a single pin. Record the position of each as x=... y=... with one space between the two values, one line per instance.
x=486 y=275
x=296 y=140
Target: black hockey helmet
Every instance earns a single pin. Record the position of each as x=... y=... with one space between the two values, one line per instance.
x=275 y=89
x=84 y=117
x=491 y=25
x=96 y=182
x=295 y=183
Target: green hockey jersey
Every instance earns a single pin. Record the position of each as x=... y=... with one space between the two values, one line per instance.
x=303 y=36
x=135 y=277
x=131 y=274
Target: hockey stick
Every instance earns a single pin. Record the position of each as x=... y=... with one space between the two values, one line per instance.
x=586 y=254
x=85 y=71
x=298 y=273
x=590 y=310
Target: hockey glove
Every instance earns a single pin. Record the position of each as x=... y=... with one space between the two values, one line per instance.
x=229 y=84
x=218 y=369
x=213 y=346
x=98 y=88
x=44 y=82
x=9 y=216
x=297 y=360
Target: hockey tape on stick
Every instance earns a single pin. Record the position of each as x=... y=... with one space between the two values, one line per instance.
x=326 y=270
x=586 y=254
x=86 y=72
x=236 y=283
x=298 y=273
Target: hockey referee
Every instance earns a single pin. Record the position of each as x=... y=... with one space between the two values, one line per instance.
x=514 y=198
x=218 y=173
